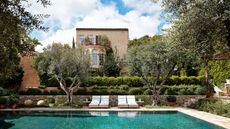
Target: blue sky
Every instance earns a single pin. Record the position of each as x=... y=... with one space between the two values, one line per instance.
x=141 y=17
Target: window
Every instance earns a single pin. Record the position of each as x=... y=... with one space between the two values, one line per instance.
x=98 y=39
x=101 y=59
x=91 y=39
x=81 y=39
x=94 y=60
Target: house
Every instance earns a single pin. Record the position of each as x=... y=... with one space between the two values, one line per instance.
x=93 y=40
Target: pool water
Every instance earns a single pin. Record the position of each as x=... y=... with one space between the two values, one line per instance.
x=102 y=120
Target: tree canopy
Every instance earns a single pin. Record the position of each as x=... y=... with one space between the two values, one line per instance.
x=201 y=26
x=15 y=24
x=62 y=62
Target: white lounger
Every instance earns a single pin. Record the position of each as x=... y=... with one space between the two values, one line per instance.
x=132 y=102
x=104 y=102
x=122 y=102
x=95 y=102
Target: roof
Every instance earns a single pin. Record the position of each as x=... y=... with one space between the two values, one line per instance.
x=126 y=29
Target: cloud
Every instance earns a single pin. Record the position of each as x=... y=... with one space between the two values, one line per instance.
x=66 y=16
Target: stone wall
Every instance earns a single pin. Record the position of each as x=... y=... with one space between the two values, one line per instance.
x=78 y=99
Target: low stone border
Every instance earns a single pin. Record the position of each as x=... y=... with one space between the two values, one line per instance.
x=78 y=99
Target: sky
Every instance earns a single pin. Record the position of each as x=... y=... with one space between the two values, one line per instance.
x=141 y=17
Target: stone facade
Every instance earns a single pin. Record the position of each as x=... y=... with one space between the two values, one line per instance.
x=118 y=39
x=60 y=99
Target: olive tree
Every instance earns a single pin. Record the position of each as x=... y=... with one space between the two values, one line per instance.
x=153 y=62
x=63 y=62
x=202 y=26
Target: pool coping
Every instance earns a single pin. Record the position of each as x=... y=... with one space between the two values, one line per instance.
x=208 y=117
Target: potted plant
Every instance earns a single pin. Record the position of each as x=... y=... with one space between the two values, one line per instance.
x=13 y=101
x=228 y=79
x=171 y=99
x=51 y=101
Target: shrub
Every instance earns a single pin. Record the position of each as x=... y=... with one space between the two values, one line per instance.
x=13 y=99
x=124 y=87
x=52 y=82
x=213 y=106
x=135 y=91
x=171 y=98
x=80 y=91
x=3 y=100
x=171 y=91
x=3 y=92
x=33 y=91
x=57 y=92
x=147 y=92
x=184 y=90
x=132 y=81
x=118 y=92
x=46 y=92
x=50 y=100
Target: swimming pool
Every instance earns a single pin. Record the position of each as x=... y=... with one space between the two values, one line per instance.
x=102 y=120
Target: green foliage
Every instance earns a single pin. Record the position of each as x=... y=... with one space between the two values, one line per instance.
x=219 y=70
x=56 y=92
x=16 y=23
x=13 y=99
x=9 y=100
x=112 y=64
x=135 y=91
x=14 y=79
x=52 y=82
x=138 y=82
x=184 y=90
x=81 y=91
x=50 y=100
x=213 y=106
x=118 y=92
x=70 y=67
x=31 y=91
x=144 y=40
x=124 y=87
x=171 y=98
x=3 y=100
x=147 y=92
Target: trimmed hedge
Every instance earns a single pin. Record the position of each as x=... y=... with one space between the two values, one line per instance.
x=133 y=81
x=123 y=90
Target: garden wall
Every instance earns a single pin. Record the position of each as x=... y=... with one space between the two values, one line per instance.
x=78 y=99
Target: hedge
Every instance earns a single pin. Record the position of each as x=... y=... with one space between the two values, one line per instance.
x=123 y=90
x=131 y=81
x=138 y=82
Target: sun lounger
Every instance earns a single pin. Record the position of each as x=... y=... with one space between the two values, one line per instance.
x=95 y=102
x=104 y=102
x=218 y=91
x=99 y=113
x=122 y=102
x=127 y=114
x=132 y=102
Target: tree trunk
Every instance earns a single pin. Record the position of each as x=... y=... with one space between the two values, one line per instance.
x=69 y=96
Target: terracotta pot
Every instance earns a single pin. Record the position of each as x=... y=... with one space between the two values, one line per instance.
x=14 y=106
x=2 y=106
x=171 y=104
